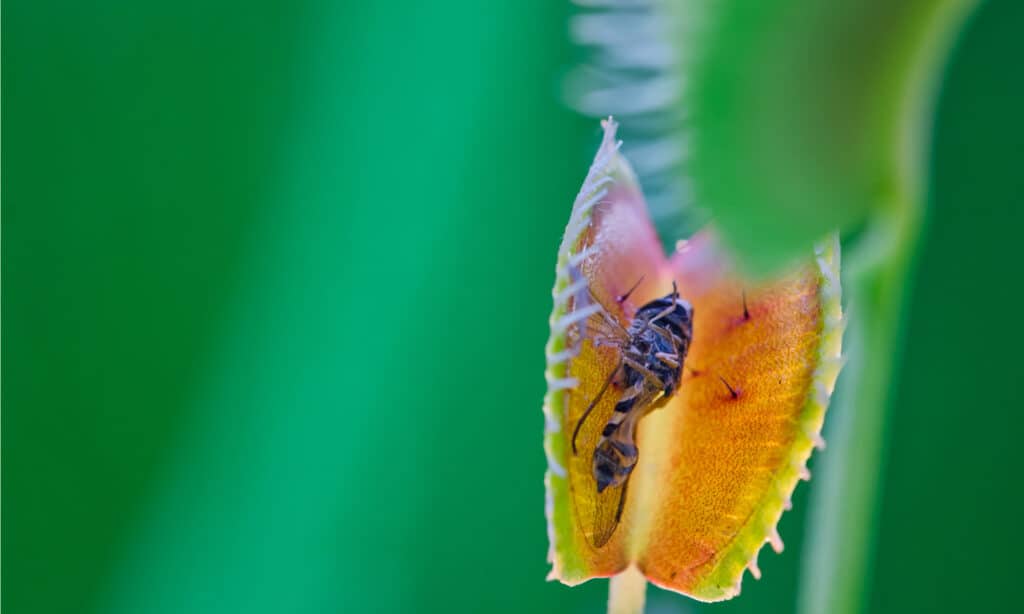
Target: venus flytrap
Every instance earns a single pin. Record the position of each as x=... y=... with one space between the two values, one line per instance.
x=719 y=462
x=793 y=118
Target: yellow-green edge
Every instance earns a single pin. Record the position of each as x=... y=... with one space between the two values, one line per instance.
x=725 y=579
x=564 y=553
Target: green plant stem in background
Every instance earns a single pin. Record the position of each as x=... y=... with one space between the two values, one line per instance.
x=841 y=533
x=843 y=511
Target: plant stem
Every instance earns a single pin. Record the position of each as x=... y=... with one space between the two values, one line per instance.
x=840 y=540
x=844 y=509
x=626 y=592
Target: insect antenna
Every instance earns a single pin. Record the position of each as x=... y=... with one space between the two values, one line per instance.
x=593 y=404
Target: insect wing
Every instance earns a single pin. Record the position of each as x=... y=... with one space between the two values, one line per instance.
x=607 y=513
x=608 y=504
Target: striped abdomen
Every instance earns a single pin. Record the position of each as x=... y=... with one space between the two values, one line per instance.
x=616 y=453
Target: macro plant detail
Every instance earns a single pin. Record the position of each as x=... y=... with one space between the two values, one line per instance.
x=718 y=453
x=278 y=281
x=779 y=122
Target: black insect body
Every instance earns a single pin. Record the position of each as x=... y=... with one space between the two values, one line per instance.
x=651 y=352
x=652 y=364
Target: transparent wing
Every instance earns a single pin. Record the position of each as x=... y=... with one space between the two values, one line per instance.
x=608 y=505
x=607 y=513
x=590 y=319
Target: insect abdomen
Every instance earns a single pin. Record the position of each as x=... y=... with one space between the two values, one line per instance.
x=622 y=409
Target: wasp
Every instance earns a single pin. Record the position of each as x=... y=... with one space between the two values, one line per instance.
x=650 y=351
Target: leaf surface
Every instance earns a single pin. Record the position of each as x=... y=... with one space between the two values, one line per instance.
x=720 y=460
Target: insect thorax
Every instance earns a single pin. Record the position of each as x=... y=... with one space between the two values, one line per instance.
x=656 y=342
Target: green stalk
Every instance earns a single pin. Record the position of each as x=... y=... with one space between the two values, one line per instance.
x=626 y=592
x=843 y=510
x=844 y=507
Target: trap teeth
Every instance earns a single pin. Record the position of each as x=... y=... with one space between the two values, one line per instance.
x=754 y=569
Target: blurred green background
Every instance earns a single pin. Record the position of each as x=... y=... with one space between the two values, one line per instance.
x=276 y=285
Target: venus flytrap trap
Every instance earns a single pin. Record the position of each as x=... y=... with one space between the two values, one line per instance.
x=721 y=450
x=784 y=120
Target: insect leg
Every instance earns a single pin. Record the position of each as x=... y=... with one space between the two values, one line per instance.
x=642 y=370
x=664 y=312
x=668 y=359
x=661 y=314
x=669 y=336
x=593 y=404
x=633 y=392
x=607 y=317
